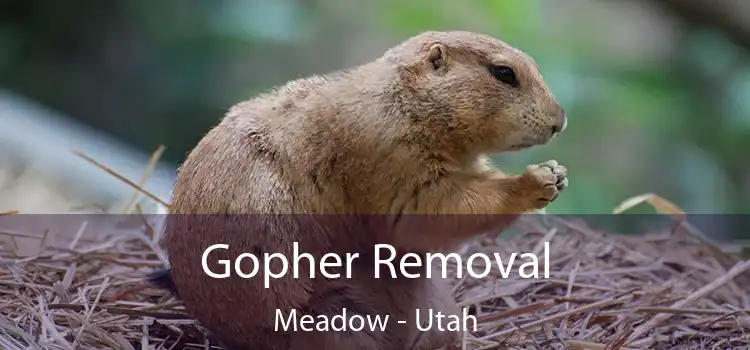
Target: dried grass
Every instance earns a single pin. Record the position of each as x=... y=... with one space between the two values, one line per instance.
x=657 y=291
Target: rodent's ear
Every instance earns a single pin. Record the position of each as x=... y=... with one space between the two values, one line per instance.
x=436 y=57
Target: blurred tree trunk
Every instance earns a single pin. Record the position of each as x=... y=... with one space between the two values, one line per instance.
x=731 y=17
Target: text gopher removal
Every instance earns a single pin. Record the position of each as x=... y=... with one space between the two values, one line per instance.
x=477 y=265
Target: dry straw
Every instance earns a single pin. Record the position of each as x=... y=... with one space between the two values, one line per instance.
x=661 y=290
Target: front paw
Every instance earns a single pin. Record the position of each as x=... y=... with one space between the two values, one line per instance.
x=542 y=183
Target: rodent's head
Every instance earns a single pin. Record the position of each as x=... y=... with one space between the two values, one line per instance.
x=491 y=92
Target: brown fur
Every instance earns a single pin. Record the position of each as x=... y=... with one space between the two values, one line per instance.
x=407 y=133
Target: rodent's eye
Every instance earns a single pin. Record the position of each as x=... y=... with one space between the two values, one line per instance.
x=504 y=74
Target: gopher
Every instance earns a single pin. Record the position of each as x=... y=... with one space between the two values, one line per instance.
x=394 y=151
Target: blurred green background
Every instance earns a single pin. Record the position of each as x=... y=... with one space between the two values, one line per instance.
x=657 y=92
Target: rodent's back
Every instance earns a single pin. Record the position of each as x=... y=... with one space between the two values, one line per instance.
x=241 y=165
x=305 y=147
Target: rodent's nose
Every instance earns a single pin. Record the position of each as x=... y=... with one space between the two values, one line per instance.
x=560 y=127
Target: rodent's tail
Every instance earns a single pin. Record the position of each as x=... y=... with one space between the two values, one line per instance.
x=162 y=279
